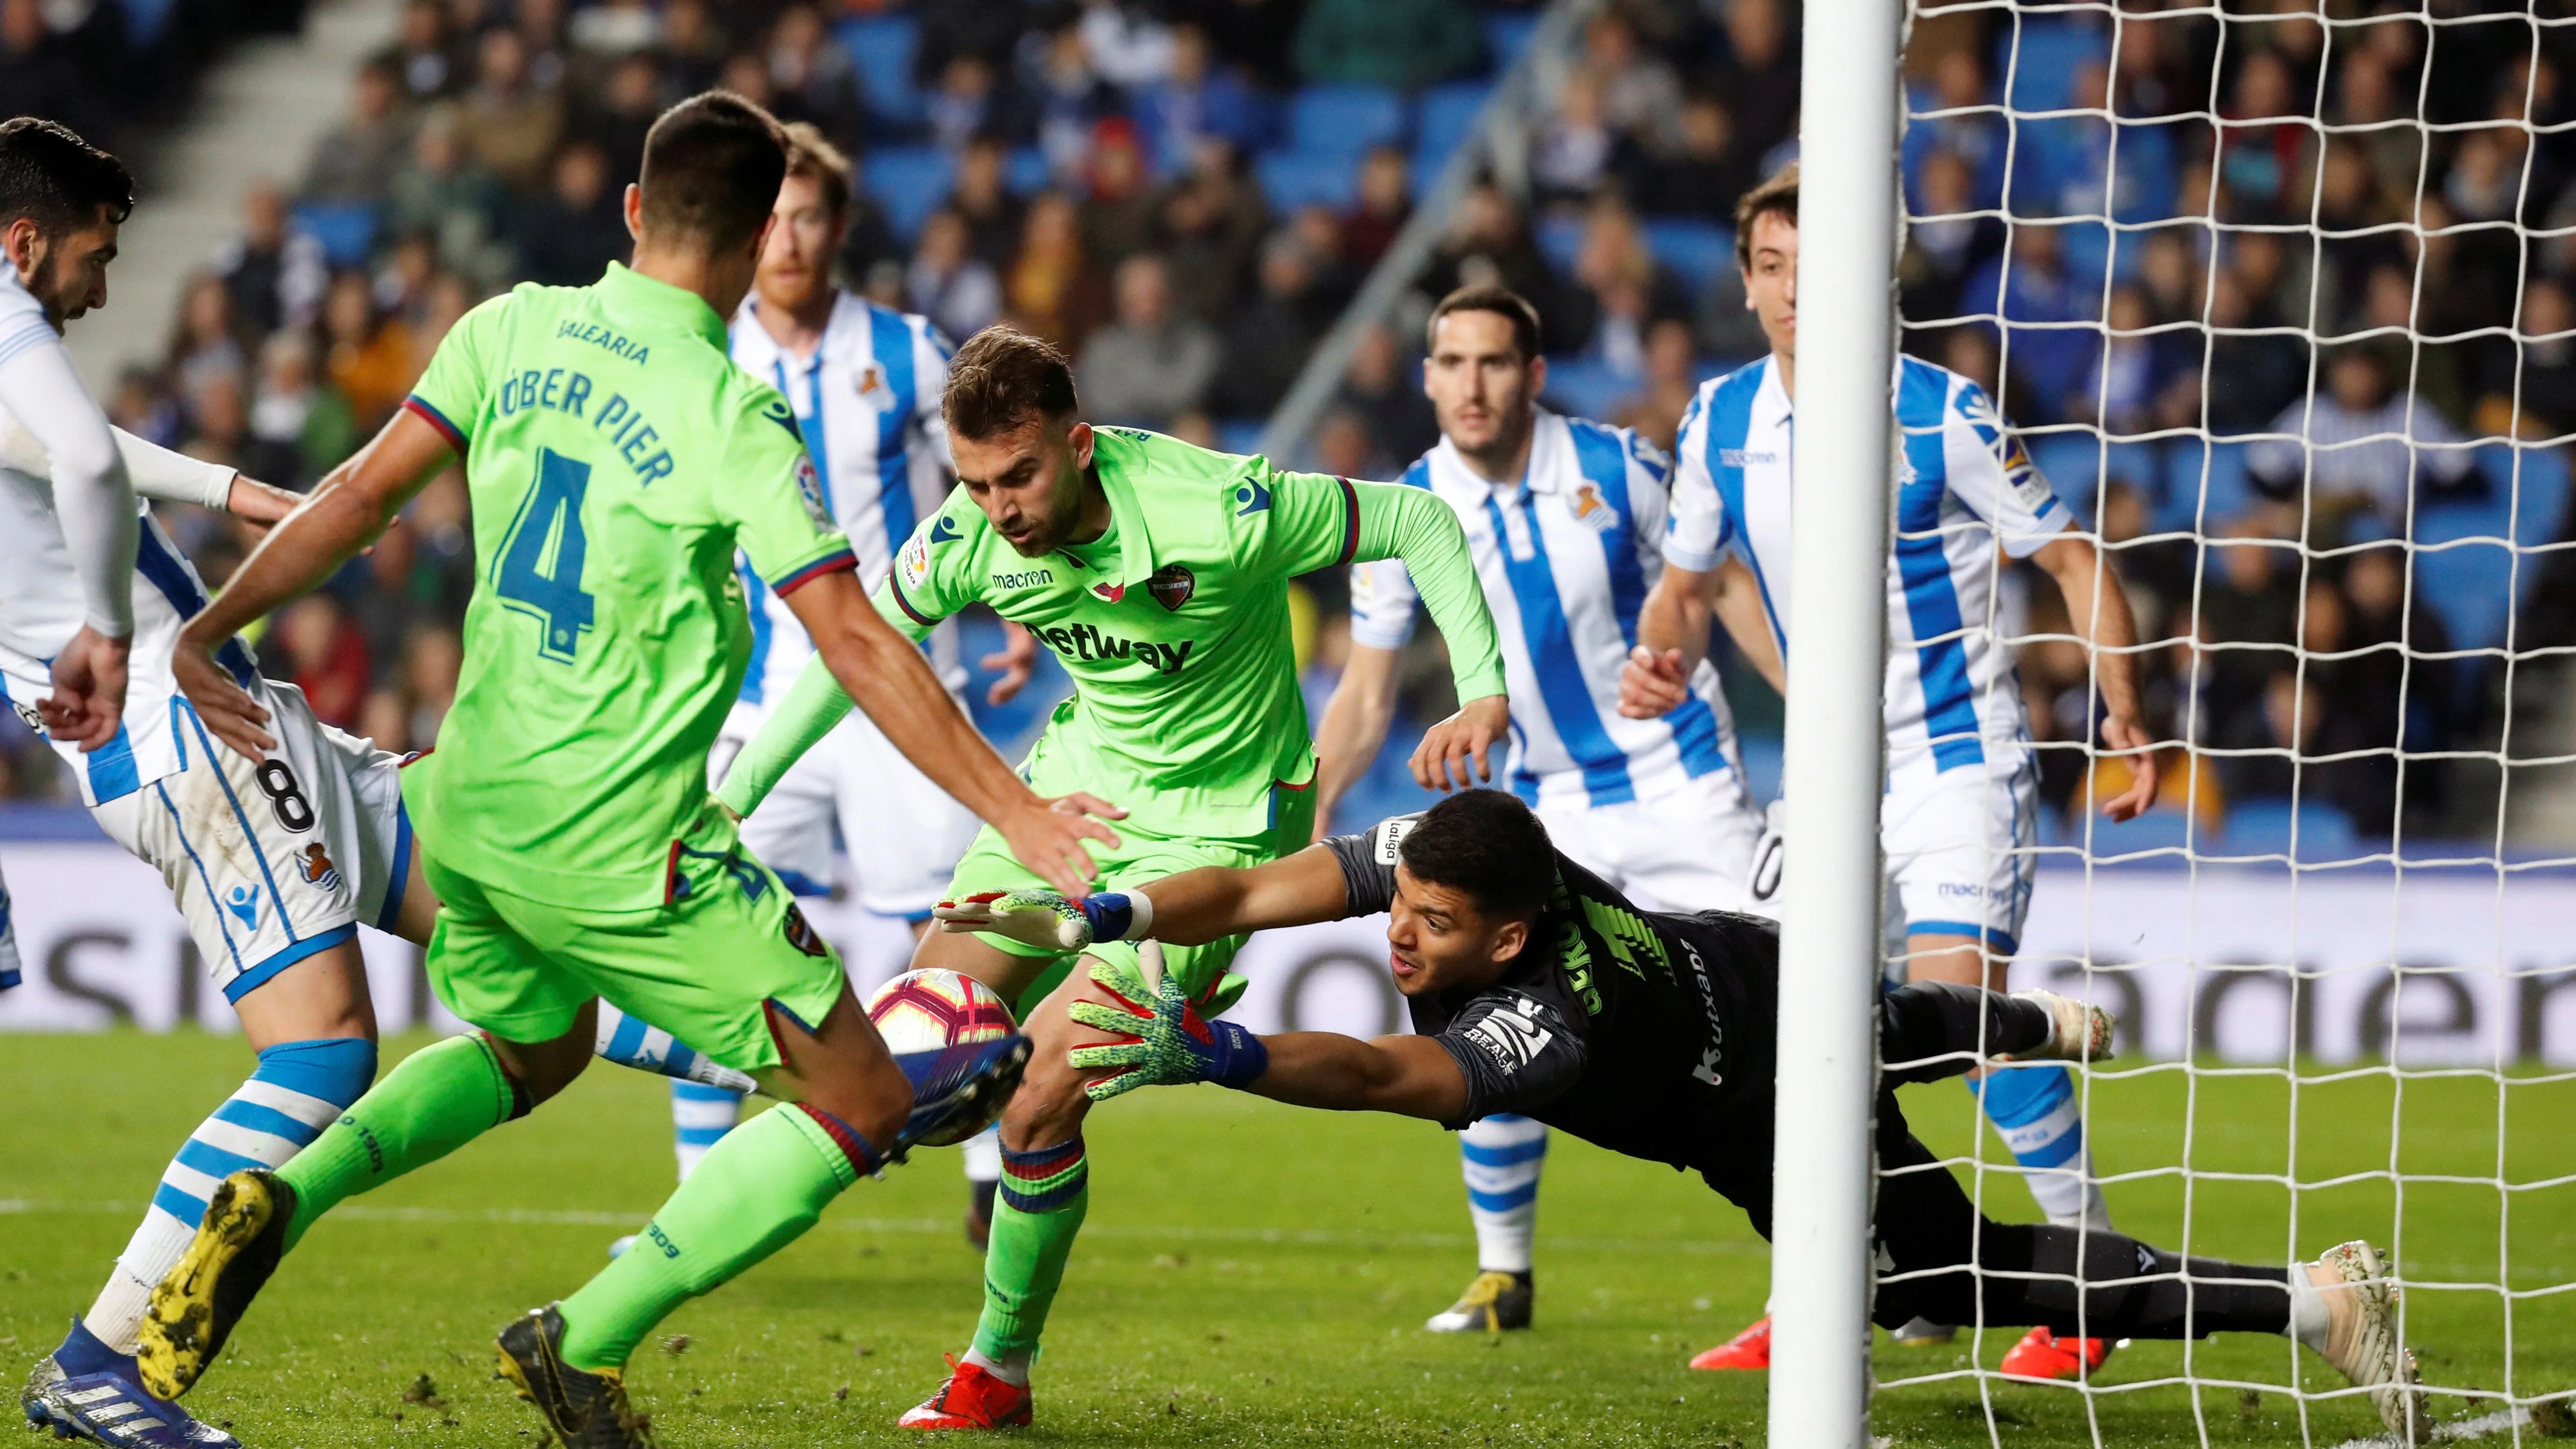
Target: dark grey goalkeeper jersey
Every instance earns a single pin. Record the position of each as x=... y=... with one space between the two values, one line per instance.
x=1632 y=1029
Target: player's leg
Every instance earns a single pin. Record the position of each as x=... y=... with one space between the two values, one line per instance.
x=9 y=972
x=902 y=872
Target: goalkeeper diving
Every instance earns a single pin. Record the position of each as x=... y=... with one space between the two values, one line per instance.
x=1158 y=572
x=1536 y=988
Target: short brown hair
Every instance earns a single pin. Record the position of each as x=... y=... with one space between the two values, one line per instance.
x=1003 y=377
x=1503 y=302
x=1777 y=197
x=712 y=165
x=810 y=155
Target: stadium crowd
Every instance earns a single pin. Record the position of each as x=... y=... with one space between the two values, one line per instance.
x=1186 y=193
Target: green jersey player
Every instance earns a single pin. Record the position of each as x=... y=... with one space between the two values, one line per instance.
x=1158 y=572
x=617 y=460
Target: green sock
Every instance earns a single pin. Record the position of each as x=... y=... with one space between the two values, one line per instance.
x=441 y=1097
x=1044 y=1195
x=758 y=1189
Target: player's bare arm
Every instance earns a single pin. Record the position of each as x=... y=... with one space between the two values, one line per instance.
x=346 y=511
x=1672 y=635
x=1353 y=728
x=886 y=676
x=2099 y=607
x=1410 y=1076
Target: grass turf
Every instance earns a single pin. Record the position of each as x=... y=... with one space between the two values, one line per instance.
x=1253 y=1274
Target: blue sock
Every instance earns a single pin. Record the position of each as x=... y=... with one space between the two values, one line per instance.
x=700 y=1117
x=300 y=1088
x=630 y=1042
x=2035 y=1111
x=1502 y=1156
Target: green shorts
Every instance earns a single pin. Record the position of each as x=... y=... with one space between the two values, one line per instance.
x=702 y=968
x=1140 y=858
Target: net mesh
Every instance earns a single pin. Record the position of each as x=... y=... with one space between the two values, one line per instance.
x=2276 y=298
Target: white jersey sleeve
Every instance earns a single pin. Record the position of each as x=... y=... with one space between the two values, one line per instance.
x=1991 y=473
x=92 y=496
x=1650 y=477
x=155 y=471
x=931 y=351
x=1696 y=527
x=1382 y=599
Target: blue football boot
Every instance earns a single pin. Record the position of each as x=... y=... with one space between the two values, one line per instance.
x=84 y=1390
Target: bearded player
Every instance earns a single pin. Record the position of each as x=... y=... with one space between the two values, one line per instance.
x=1565 y=518
x=617 y=459
x=1158 y=573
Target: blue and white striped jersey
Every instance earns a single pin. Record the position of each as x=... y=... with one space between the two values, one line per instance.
x=868 y=405
x=1964 y=488
x=1566 y=557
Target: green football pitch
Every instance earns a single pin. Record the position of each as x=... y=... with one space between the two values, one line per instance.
x=1257 y=1275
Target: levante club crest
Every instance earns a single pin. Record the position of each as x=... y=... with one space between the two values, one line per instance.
x=1172 y=586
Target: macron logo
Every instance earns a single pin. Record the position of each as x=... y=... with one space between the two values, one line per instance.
x=1740 y=457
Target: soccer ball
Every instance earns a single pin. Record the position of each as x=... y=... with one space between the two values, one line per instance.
x=922 y=1014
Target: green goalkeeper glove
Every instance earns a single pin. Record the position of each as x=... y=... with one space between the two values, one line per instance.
x=1163 y=1042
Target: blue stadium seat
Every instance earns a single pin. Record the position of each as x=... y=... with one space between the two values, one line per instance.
x=345 y=230
x=909 y=182
x=1559 y=238
x=2157 y=830
x=1507 y=34
x=1695 y=249
x=145 y=20
x=1344 y=120
x=1291 y=179
x=1239 y=435
x=2051 y=49
x=1445 y=116
x=2263 y=827
x=882 y=48
x=1013 y=726
x=1586 y=388
x=2072 y=464
x=1026 y=173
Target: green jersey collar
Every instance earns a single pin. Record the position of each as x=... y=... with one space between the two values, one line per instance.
x=636 y=295
x=1111 y=458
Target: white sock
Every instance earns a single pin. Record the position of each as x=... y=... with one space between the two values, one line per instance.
x=1010 y=1368
x=2069 y=1195
x=1501 y=1157
x=2310 y=1318
x=984 y=1156
x=700 y=1117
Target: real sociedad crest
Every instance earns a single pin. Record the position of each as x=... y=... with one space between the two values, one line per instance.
x=1172 y=586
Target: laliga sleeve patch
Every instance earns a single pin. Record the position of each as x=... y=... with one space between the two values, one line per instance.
x=914 y=563
x=1390 y=837
x=809 y=491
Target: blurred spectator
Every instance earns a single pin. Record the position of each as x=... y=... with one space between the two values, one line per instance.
x=1194 y=101
x=432 y=658
x=507 y=122
x=1118 y=217
x=2042 y=361
x=1672 y=378
x=448 y=195
x=812 y=79
x=419 y=53
x=616 y=29
x=1639 y=93
x=1946 y=243
x=569 y=238
x=1400 y=43
x=694 y=45
x=1053 y=289
x=37 y=72
x=1206 y=256
x=1385 y=203
x=2265 y=149
x=961 y=107
x=1344 y=448
x=2249 y=619
x=1385 y=390
x=299 y=426
x=1705 y=171
x=1488 y=242
x=2349 y=205
x=2358 y=448
x=545 y=36
x=2125 y=389
x=1758 y=70
x=1126 y=44
x=1254 y=37
x=983 y=200
x=1066 y=97
x=2546 y=384
x=1148 y=365
x=1267 y=342
x=1577 y=147
x=369 y=360
x=1624 y=291
x=208 y=342
x=356 y=159
x=274 y=273
x=324 y=655
x=627 y=108
x=948 y=283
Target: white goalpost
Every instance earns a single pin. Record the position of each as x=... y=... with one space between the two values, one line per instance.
x=2281 y=299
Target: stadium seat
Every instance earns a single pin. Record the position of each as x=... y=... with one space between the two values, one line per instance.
x=1239 y=435
x=882 y=48
x=1507 y=34
x=1344 y=120
x=2051 y=51
x=2072 y=464
x=2324 y=834
x=1695 y=249
x=1559 y=239
x=909 y=182
x=1293 y=179
x=345 y=230
x=1445 y=116
x=1585 y=388
x=1026 y=172
x=145 y=20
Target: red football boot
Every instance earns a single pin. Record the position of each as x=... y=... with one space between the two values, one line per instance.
x=2043 y=1355
x=971 y=1399
x=1750 y=1349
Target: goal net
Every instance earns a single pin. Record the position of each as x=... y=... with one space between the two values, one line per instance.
x=2279 y=301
